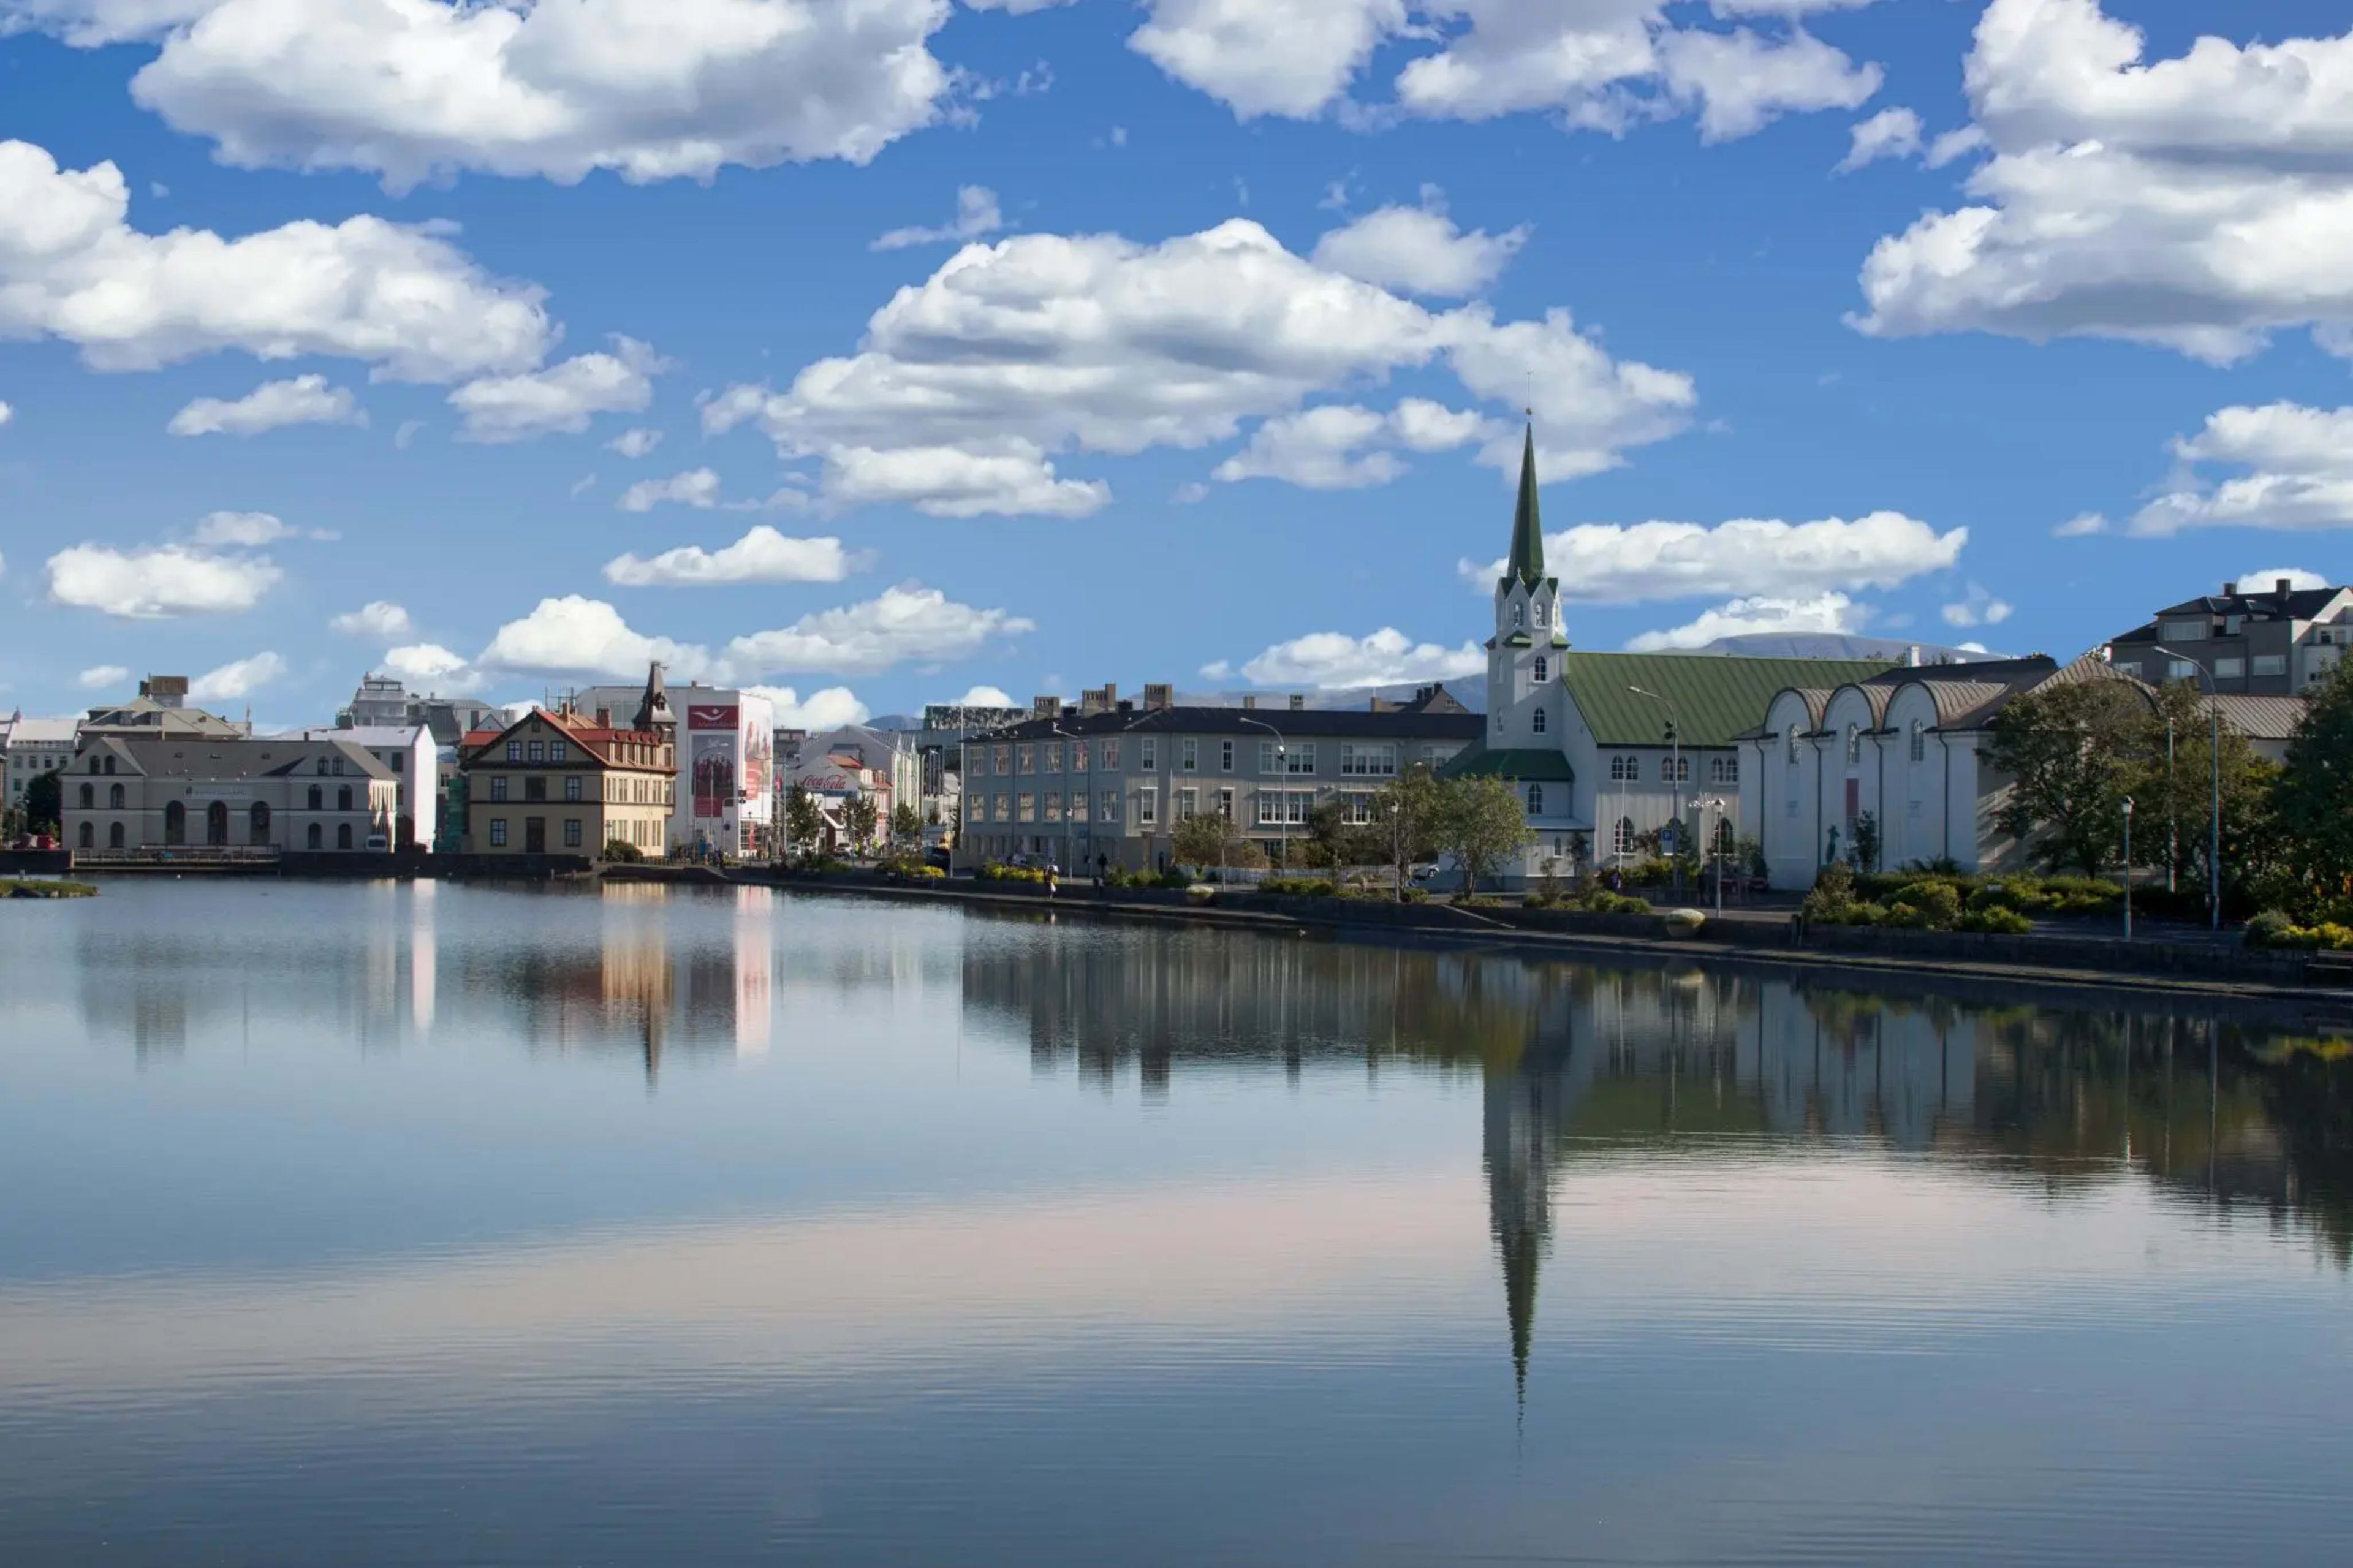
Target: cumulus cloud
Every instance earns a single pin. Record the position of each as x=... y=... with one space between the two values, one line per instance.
x=1341 y=445
x=561 y=398
x=634 y=444
x=1335 y=661
x=695 y=487
x=427 y=667
x=653 y=89
x=2297 y=579
x=1605 y=563
x=2297 y=465
x=977 y=214
x=240 y=678
x=152 y=584
x=827 y=710
x=1975 y=608
x=2196 y=202
x=982 y=697
x=1889 y=133
x=1743 y=617
x=1419 y=249
x=99 y=676
x=575 y=635
x=240 y=529
x=401 y=298
x=1603 y=65
x=379 y=619
x=2083 y=525
x=761 y=555
x=7 y=413
x=968 y=384
x=272 y=405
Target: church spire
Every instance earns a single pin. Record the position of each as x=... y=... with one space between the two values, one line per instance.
x=1526 y=563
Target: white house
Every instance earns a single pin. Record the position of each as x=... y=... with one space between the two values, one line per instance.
x=409 y=755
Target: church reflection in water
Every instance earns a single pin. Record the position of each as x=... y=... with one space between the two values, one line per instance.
x=1580 y=1064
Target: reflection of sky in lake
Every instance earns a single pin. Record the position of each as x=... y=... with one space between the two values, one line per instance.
x=414 y=1223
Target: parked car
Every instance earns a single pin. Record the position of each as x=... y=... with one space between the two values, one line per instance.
x=377 y=843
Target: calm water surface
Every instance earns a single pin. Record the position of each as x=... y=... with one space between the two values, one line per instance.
x=446 y=1225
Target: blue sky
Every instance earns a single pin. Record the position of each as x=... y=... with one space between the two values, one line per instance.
x=375 y=288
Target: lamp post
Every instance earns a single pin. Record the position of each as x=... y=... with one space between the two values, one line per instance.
x=1676 y=764
x=2214 y=850
x=1067 y=758
x=1283 y=812
x=2128 y=867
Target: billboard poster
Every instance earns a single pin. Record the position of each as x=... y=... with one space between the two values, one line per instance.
x=712 y=768
x=758 y=760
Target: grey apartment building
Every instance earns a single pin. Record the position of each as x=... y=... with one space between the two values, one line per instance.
x=1111 y=779
x=2254 y=640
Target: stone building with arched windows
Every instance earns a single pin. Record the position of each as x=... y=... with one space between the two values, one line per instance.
x=136 y=796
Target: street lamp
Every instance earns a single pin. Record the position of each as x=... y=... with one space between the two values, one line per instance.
x=1089 y=808
x=2128 y=867
x=1676 y=734
x=2214 y=852
x=1283 y=771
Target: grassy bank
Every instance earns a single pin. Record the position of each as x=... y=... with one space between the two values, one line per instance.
x=21 y=887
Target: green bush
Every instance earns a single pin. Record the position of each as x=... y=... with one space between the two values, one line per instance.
x=990 y=871
x=621 y=852
x=1299 y=887
x=1930 y=906
x=2275 y=929
x=1996 y=920
x=1833 y=895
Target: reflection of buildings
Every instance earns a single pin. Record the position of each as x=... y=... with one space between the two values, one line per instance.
x=1582 y=1067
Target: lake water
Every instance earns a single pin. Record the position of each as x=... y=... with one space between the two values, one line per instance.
x=436 y=1225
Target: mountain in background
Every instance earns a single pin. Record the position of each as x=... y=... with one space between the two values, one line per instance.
x=1839 y=644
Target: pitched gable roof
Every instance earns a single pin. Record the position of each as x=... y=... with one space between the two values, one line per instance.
x=1715 y=700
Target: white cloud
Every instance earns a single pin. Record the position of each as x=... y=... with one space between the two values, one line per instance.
x=635 y=444
x=149 y=585
x=968 y=384
x=695 y=487
x=1743 y=617
x=1889 y=133
x=1606 y=563
x=906 y=624
x=1977 y=608
x=982 y=697
x=653 y=89
x=1954 y=145
x=240 y=678
x=2297 y=579
x=272 y=405
x=400 y=298
x=977 y=214
x=827 y=710
x=240 y=529
x=7 y=413
x=1335 y=661
x=99 y=676
x=1289 y=58
x=2299 y=472
x=2083 y=525
x=1326 y=447
x=1742 y=81
x=379 y=619
x=428 y=666
x=561 y=398
x=761 y=555
x=578 y=636
x=2196 y=202
x=1419 y=249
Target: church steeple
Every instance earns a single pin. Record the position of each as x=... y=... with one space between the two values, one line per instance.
x=1527 y=562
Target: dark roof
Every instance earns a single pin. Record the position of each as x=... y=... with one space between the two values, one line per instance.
x=1715 y=700
x=1993 y=671
x=2302 y=602
x=234 y=756
x=1525 y=765
x=1425 y=722
x=1527 y=560
x=2261 y=718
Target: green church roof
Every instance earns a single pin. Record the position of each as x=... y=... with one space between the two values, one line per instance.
x=1716 y=698
x=1524 y=765
x=1527 y=562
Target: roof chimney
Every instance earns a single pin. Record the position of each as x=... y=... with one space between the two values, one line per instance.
x=1249 y=702
x=2286 y=585
x=1156 y=697
x=604 y=718
x=2229 y=589
x=1297 y=703
x=1912 y=655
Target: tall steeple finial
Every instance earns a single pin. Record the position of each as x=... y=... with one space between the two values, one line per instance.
x=1527 y=562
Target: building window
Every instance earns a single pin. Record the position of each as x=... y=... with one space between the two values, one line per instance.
x=88 y=835
x=1110 y=753
x=1370 y=761
x=498 y=789
x=1298 y=757
x=1053 y=799
x=1724 y=842
x=514 y=753
x=1226 y=756
x=114 y=796
x=1519 y=614
x=109 y=762
x=1147 y=755
x=1679 y=766
x=1004 y=759
x=1025 y=759
x=1078 y=805
x=1270 y=807
x=1790 y=738
x=2184 y=631
x=2180 y=669
x=1622 y=839
x=572 y=787
x=498 y=833
x=538 y=752
x=1535 y=800
x=1147 y=806
x=1025 y=807
x=1187 y=804
x=975 y=760
x=343 y=836
x=572 y=833
x=1625 y=770
x=1078 y=763
x=1187 y=754
x=1919 y=742
x=1356 y=807
x=1541 y=670
x=1110 y=806
x=557 y=751
x=113 y=835
x=2269 y=664
x=2229 y=669
x=399 y=762
x=1540 y=620
x=258 y=824
x=89 y=796
x=1537 y=720
x=317 y=799
x=343 y=797
x=1853 y=744
x=1723 y=770
x=1053 y=759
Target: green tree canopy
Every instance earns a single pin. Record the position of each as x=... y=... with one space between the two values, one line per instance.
x=1480 y=822
x=2313 y=798
x=45 y=800
x=1205 y=838
x=906 y=822
x=2070 y=753
x=804 y=819
x=861 y=817
x=1406 y=821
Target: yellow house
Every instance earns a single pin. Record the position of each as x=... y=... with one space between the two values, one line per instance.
x=558 y=783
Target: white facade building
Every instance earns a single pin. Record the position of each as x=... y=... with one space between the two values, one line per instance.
x=241 y=793
x=726 y=798
x=37 y=746
x=407 y=751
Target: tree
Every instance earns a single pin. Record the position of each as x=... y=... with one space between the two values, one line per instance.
x=1333 y=843
x=1405 y=821
x=45 y=801
x=2072 y=753
x=906 y=822
x=1480 y=822
x=2313 y=797
x=1204 y=839
x=1866 y=842
x=803 y=819
x=861 y=817
x=2173 y=810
